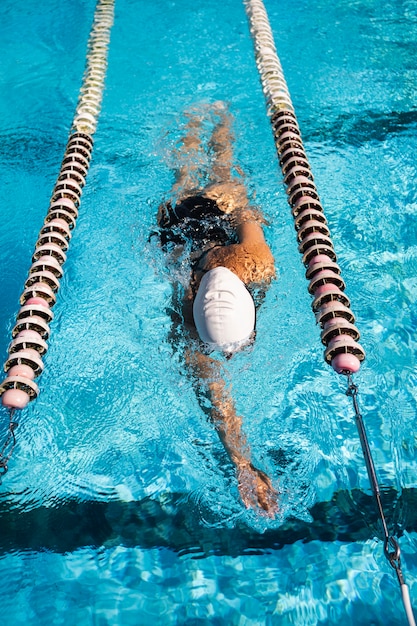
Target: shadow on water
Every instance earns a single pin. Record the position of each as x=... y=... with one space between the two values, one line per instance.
x=174 y=522
x=360 y=129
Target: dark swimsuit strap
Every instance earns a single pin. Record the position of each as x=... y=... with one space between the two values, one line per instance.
x=197 y=263
x=198 y=269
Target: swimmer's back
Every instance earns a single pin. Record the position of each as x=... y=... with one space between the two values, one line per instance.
x=252 y=262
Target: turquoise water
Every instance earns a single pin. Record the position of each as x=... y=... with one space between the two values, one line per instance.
x=120 y=506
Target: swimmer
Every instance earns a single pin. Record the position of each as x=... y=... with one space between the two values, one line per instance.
x=230 y=262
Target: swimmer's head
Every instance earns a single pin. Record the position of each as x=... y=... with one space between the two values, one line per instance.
x=224 y=311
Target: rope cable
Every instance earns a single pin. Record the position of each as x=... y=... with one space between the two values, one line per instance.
x=31 y=330
x=330 y=303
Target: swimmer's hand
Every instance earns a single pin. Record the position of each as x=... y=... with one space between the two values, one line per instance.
x=256 y=489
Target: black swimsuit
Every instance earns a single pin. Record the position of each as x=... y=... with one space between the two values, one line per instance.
x=198 y=220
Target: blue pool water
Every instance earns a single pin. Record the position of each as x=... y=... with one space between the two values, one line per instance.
x=120 y=506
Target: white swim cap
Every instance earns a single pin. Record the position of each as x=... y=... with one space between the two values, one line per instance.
x=224 y=311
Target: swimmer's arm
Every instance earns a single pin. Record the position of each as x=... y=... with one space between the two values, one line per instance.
x=251 y=232
x=254 y=485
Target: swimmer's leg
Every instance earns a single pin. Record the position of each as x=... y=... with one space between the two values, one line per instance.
x=190 y=158
x=221 y=145
x=226 y=189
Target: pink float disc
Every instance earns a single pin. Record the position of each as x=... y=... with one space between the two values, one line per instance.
x=345 y=362
x=28 y=334
x=22 y=370
x=36 y=300
x=15 y=399
x=325 y=288
x=319 y=258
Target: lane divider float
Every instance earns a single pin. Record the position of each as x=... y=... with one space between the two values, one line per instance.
x=31 y=331
x=330 y=304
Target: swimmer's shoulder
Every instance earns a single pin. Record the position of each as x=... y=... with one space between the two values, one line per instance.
x=251 y=262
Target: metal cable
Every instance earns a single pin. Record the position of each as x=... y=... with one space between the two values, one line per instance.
x=392 y=549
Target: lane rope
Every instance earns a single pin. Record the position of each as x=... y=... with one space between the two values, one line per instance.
x=330 y=304
x=32 y=328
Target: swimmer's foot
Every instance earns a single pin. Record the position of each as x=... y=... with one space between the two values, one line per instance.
x=220 y=106
x=231 y=198
x=256 y=489
x=229 y=195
